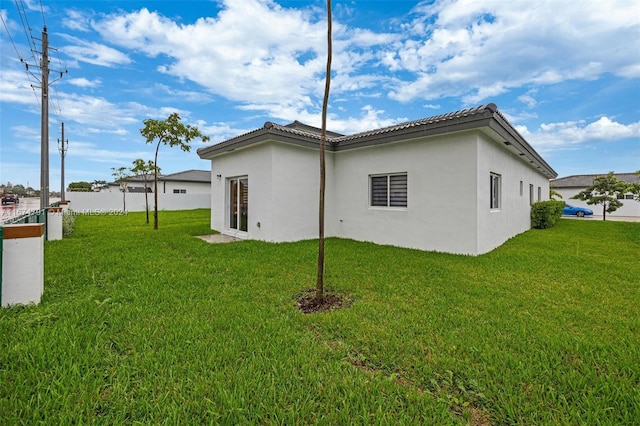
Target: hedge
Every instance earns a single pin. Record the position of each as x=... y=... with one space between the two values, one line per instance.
x=545 y=214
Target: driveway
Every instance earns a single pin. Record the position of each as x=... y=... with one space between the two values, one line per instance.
x=609 y=217
x=26 y=205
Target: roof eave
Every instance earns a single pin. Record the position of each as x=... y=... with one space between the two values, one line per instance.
x=256 y=137
x=512 y=138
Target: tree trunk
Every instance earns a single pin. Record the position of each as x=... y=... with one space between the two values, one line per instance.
x=604 y=211
x=323 y=141
x=155 y=188
x=146 y=199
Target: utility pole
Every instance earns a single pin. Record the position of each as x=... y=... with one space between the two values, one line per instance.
x=44 y=123
x=63 y=145
x=44 y=117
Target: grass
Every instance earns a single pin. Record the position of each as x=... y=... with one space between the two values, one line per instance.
x=138 y=326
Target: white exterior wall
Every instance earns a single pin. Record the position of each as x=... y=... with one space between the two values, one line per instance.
x=283 y=191
x=167 y=187
x=447 y=182
x=495 y=226
x=295 y=197
x=630 y=208
x=255 y=163
x=111 y=202
x=440 y=213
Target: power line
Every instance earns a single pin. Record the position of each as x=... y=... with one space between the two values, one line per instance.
x=26 y=27
x=10 y=38
x=44 y=23
x=6 y=27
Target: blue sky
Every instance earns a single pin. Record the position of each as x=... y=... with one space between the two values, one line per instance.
x=567 y=76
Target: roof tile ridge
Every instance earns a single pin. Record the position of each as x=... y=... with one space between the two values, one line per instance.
x=421 y=121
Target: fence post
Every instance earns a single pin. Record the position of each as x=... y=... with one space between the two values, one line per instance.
x=23 y=264
x=54 y=223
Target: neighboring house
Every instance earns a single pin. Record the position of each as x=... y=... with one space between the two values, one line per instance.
x=460 y=182
x=187 y=182
x=571 y=185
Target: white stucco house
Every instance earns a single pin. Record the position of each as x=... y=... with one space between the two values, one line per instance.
x=186 y=182
x=460 y=182
x=569 y=186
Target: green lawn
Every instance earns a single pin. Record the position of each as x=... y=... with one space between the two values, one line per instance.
x=138 y=326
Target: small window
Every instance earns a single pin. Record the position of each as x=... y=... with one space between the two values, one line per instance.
x=388 y=190
x=628 y=197
x=620 y=196
x=179 y=191
x=539 y=194
x=521 y=188
x=495 y=181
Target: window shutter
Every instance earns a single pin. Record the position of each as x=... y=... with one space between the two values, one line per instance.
x=379 y=191
x=398 y=191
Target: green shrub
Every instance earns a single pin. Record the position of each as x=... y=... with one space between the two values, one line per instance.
x=545 y=214
x=68 y=222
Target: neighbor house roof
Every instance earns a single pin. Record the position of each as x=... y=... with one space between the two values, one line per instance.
x=584 y=181
x=185 y=176
x=485 y=118
x=190 y=176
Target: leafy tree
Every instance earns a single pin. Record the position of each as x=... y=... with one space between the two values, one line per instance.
x=97 y=184
x=553 y=193
x=604 y=191
x=80 y=186
x=120 y=175
x=168 y=132
x=140 y=168
x=634 y=188
x=323 y=141
x=19 y=190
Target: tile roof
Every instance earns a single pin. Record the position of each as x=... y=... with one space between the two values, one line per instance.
x=584 y=181
x=185 y=176
x=481 y=117
x=189 y=176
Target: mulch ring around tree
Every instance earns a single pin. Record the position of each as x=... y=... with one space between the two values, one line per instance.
x=308 y=304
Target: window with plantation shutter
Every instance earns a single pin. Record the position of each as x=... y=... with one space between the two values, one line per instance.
x=388 y=190
x=496 y=190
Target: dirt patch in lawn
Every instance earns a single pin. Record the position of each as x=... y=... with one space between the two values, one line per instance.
x=308 y=304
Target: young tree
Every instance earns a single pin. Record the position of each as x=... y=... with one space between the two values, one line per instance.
x=168 y=132
x=604 y=191
x=323 y=141
x=120 y=175
x=140 y=168
x=97 y=184
x=553 y=193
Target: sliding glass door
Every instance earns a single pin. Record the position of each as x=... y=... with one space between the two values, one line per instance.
x=239 y=203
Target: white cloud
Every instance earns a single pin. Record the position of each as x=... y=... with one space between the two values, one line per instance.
x=481 y=49
x=92 y=152
x=77 y=21
x=83 y=82
x=570 y=134
x=16 y=86
x=253 y=53
x=94 y=53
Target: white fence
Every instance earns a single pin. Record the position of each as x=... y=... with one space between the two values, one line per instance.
x=111 y=202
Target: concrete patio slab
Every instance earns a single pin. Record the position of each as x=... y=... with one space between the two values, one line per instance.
x=217 y=238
